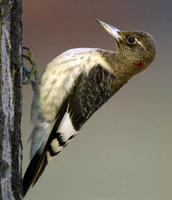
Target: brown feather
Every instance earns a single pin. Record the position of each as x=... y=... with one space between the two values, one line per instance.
x=40 y=168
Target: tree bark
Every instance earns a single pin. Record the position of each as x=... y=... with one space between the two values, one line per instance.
x=10 y=100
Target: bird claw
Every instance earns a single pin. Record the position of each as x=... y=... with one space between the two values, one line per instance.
x=32 y=76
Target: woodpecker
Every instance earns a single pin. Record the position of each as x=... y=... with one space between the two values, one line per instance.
x=75 y=85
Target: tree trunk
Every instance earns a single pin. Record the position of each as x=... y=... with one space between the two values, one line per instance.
x=10 y=100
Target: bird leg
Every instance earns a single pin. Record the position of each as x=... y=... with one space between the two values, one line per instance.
x=30 y=76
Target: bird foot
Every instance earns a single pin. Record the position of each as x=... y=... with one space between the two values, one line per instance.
x=30 y=76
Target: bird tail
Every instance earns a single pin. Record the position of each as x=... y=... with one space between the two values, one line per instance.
x=45 y=151
x=34 y=170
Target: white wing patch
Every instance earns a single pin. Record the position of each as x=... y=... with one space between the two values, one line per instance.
x=56 y=146
x=66 y=128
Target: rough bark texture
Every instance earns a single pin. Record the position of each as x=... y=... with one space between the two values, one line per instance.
x=10 y=100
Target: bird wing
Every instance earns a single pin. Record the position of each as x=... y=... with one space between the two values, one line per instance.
x=88 y=94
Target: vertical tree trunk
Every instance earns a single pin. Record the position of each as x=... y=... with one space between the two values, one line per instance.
x=10 y=100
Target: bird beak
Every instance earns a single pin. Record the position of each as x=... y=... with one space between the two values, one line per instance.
x=110 y=29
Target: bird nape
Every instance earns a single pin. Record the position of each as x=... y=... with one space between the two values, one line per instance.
x=76 y=84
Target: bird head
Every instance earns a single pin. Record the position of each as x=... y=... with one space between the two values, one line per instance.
x=135 y=49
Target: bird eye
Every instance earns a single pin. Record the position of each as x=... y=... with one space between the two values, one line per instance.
x=131 y=40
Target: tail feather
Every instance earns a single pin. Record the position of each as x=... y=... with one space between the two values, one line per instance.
x=34 y=171
x=41 y=167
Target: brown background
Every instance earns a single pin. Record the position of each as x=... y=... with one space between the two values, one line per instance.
x=124 y=152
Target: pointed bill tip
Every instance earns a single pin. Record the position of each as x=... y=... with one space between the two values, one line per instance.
x=110 y=29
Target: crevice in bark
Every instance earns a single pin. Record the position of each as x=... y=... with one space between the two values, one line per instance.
x=10 y=100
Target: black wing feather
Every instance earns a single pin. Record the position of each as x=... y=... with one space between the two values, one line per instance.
x=89 y=94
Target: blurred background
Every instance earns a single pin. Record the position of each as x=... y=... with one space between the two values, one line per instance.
x=124 y=151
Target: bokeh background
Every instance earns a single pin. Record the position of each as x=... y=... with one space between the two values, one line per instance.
x=124 y=151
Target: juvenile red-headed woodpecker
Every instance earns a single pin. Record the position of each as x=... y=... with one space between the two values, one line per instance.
x=76 y=84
